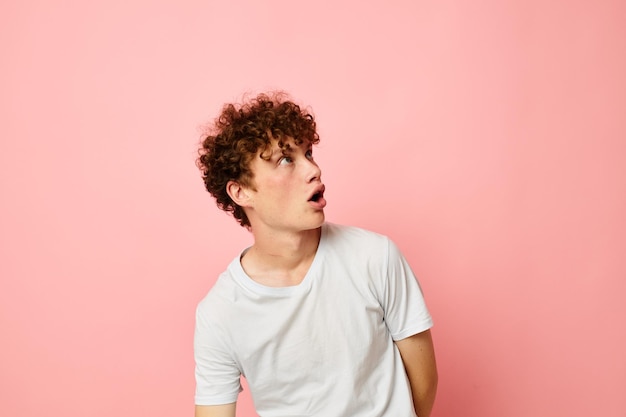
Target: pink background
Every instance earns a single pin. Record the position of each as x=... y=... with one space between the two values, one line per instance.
x=487 y=138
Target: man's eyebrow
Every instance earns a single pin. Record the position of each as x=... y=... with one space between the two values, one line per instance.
x=285 y=150
x=276 y=151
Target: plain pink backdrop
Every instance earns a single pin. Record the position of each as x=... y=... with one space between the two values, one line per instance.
x=487 y=138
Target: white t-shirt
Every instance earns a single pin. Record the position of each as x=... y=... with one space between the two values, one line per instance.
x=321 y=348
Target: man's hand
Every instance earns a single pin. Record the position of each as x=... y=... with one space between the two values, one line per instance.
x=418 y=356
x=226 y=410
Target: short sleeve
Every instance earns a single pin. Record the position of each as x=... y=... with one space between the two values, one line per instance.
x=405 y=310
x=217 y=374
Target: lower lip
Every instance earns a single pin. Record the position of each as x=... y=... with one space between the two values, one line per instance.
x=319 y=204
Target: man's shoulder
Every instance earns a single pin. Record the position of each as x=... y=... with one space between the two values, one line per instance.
x=356 y=242
x=221 y=292
x=353 y=233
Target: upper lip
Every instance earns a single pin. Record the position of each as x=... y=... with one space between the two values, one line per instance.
x=318 y=190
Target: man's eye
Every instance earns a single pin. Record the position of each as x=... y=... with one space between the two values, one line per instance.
x=285 y=160
x=309 y=154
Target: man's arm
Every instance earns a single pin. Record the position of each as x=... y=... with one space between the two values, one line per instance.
x=226 y=410
x=418 y=356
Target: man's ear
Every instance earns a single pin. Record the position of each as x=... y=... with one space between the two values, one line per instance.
x=238 y=193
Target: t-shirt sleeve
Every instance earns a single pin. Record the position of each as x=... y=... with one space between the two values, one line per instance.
x=217 y=374
x=403 y=302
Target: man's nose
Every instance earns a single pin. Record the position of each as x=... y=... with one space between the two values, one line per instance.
x=314 y=173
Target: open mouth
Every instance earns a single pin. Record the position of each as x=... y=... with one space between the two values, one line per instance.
x=319 y=194
x=316 y=196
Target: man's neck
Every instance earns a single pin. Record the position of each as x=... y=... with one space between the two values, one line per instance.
x=281 y=259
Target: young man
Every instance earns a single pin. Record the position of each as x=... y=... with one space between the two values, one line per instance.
x=321 y=319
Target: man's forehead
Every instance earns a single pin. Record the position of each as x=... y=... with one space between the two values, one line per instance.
x=287 y=145
x=283 y=146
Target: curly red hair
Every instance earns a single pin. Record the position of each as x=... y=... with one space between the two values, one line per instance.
x=243 y=131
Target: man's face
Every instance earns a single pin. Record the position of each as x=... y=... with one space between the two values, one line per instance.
x=286 y=192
